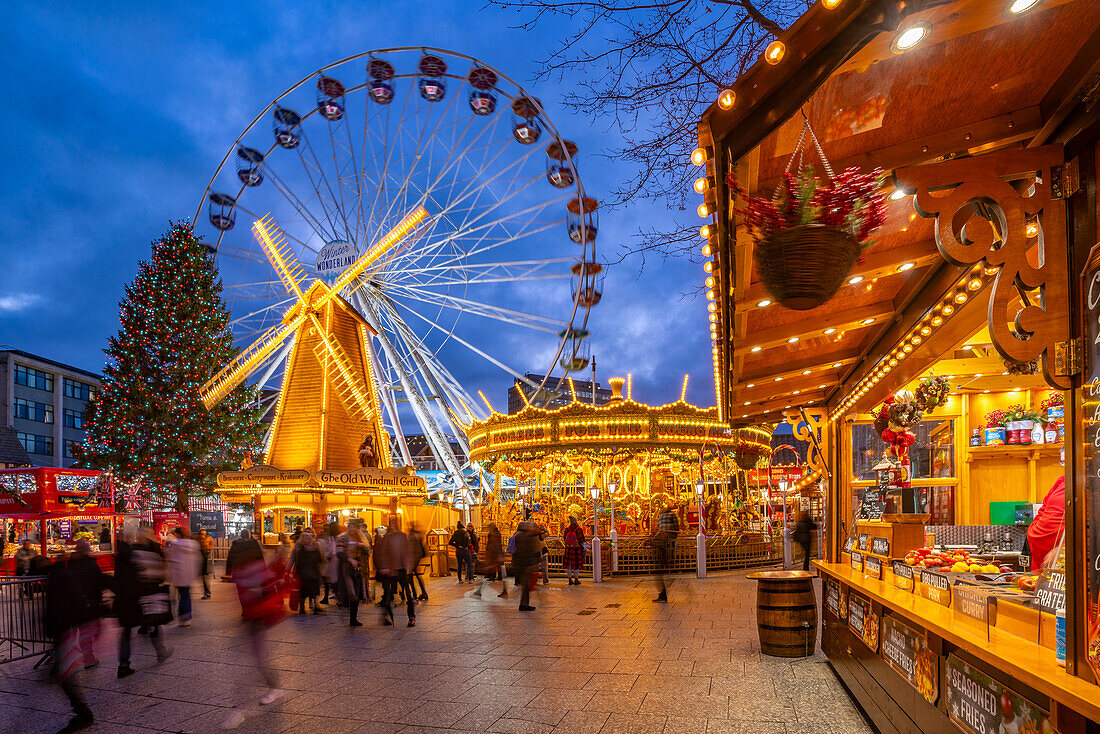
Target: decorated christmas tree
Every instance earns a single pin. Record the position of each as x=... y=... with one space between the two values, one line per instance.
x=147 y=424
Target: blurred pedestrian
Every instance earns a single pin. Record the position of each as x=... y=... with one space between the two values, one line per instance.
x=141 y=596
x=184 y=563
x=296 y=534
x=353 y=556
x=206 y=545
x=261 y=607
x=460 y=541
x=393 y=561
x=419 y=552
x=573 y=561
x=544 y=553
x=494 y=560
x=74 y=607
x=664 y=545
x=803 y=534
x=525 y=562
x=475 y=542
x=326 y=543
x=306 y=560
x=23 y=557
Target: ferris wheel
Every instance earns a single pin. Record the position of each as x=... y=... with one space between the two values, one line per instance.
x=502 y=277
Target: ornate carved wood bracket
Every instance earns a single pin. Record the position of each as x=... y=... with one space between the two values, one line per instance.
x=999 y=209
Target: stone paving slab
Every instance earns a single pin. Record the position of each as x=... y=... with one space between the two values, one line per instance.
x=470 y=665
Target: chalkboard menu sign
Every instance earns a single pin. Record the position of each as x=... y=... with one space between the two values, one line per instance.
x=864 y=538
x=981 y=705
x=1089 y=416
x=906 y=651
x=872 y=567
x=873 y=504
x=849 y=543
x=857 y=560
x=832 y=596
x=935 y=587
x=880 y=546
x=863 y=621
x=903 y=575
x=1050 y=594
x=971 y=602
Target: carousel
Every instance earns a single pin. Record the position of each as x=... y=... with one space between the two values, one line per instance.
x=618 y=466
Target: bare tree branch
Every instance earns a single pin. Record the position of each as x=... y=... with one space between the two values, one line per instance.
x=648 y=70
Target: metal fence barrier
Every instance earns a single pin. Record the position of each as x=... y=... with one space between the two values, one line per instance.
x=23 y=619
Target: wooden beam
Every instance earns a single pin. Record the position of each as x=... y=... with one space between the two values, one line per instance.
x=876 y=264
x=847 y=321
x=1065 y=93
x=1011 y=127
x=775 y=387
x=771 y=406
x=821 y=363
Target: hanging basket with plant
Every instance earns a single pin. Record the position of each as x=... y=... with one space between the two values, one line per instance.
x=811 y=232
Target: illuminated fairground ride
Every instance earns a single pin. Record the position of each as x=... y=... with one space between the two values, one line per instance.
x=639 y=459
x=339 y=159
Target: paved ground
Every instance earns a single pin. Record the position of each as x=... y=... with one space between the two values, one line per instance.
x=590 y=659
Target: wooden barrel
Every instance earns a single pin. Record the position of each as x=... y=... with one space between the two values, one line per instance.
x=786 y=613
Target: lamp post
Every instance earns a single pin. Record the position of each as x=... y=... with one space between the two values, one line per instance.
x=786 y=532
x=597 y=558
x=612 y=487
x=701 y=538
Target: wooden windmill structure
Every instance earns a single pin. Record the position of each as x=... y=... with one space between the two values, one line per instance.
x=328 y=401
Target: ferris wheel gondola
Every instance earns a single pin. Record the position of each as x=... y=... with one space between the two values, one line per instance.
x=421 y=128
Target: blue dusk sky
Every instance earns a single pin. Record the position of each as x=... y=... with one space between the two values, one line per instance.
x=119 y=113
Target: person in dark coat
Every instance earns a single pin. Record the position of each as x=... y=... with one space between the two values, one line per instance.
x=352 y=556
x=525 y=561
x=394 y=560
x=306 y=560
x=74 y=606
x=803 y=534
x=460 y=540
x=141 y=596
x=419 y=552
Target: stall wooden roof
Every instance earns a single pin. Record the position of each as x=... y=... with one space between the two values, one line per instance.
x=984 y=79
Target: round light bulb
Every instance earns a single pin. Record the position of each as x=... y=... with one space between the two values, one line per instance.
x=910 y=37
x=700 y=185
x=698 y=156
x=727 y=98
x=704 y=232
x=775 y=52
x=703 y=210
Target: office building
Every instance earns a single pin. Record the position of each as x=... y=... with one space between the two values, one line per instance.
x=556 y=400
x=43 y=401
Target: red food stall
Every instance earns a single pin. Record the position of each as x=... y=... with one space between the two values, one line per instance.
x=55 y=507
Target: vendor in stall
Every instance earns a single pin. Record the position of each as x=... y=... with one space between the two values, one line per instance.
x=1046 y=529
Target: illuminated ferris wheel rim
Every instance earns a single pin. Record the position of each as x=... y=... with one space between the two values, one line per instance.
x=582 y=266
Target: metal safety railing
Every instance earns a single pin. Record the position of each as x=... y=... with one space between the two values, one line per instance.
x=23 y=618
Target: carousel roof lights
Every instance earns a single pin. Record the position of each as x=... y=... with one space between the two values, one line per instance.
x=909 y=37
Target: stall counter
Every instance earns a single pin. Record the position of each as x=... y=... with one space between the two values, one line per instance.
x=1014 y=658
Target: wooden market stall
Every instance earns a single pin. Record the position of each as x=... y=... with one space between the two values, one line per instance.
x=974 y=307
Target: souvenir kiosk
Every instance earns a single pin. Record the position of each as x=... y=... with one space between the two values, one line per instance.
x=55 y=508
x=954 y=348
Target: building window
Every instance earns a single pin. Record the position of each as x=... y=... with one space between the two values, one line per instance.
x=35 y=444
x=78 y=390
x=31 y=377
x=32 y=411
x=74 y=418
x=70 y=449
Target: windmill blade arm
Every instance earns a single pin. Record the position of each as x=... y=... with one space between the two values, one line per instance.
x=279 y=254
x=405 y=227
x=241 y=366
x=352 y=390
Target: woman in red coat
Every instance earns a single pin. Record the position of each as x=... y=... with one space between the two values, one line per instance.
x=1050 y=522
x=573 y=538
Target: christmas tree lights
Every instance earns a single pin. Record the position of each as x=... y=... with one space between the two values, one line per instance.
x=147 y=424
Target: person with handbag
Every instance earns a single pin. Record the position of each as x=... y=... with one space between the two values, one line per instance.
x=306 y=559
x=261 y=608
x=141 y=596
x=573 y=538
x=349 y=580
x=393 y=560
x=184 y=563
x=419 y=552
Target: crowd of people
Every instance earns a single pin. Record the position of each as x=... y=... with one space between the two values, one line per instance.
x=346 y=566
